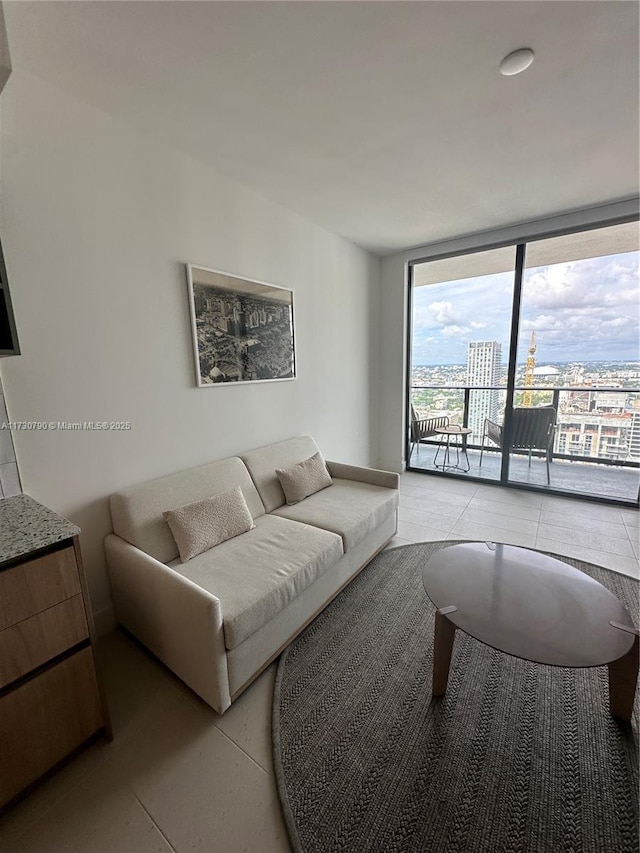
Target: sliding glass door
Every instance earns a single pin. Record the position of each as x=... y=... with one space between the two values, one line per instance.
x=578 y=354
x=461 y=327
x=534 y=349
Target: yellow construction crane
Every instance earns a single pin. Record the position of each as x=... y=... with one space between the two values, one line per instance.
x=528 y=372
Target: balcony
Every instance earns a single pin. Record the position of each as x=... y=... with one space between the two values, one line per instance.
x=596 y=451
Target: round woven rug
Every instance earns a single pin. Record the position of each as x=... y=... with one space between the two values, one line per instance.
x=516 y=757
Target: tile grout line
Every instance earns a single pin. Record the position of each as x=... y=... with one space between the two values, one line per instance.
x=537 y=511
x=427 y=527
x=591 y=548
x=495 y=526
x=196 y=701
x=588 y=547
x=57 y=801
x=621 y=540
x=531 y=521
x=244 y=752
x=150 y=816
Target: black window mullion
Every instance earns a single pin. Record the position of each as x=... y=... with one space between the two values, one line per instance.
x=409 y=363
x=513 y=354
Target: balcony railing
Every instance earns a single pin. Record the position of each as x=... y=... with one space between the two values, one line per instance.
x=592 y=434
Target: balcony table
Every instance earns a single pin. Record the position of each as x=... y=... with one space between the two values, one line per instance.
x=449 y=431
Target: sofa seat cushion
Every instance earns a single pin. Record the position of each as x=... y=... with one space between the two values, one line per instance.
x=349 y=508
x=257 y=574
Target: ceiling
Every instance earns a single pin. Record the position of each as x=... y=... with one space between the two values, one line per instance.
x=385 y=122
x=594 y=243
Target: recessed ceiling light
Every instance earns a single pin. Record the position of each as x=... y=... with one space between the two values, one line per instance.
x=516 y=62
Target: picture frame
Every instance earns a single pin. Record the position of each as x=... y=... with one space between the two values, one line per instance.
x=243 y=329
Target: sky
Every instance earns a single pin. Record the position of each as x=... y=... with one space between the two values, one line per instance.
x=586 y=310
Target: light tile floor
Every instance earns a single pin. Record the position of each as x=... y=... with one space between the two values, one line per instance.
x=178 y=776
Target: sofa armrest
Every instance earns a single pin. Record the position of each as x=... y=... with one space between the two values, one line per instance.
x=364 y=475
x=180 y=622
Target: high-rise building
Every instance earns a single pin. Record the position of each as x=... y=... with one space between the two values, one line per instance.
x=634 y=437
x=598 y=434
x=484 y=365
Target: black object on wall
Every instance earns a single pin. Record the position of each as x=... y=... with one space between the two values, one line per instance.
x=8 y=335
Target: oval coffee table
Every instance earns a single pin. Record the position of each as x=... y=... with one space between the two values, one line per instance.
x=534 y=607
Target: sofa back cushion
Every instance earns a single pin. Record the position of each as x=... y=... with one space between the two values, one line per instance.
x=137 y=510
x=262 y=464
x=202 y=525
x=304 y=479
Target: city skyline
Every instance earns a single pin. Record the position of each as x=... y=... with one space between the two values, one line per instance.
x=522 y=361
x=586 y=310
x=593 y=421
x=601 y=374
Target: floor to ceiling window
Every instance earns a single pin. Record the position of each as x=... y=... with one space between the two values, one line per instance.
x=532 y=351
x=461 y=310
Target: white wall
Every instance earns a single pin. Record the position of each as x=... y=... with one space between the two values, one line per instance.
x=97 y=222
x=393 y=344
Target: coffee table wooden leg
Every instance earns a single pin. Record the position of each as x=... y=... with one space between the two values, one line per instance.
x=623 y=677
x=443 y=637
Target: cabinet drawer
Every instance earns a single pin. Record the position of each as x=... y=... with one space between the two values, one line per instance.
x=45 y=719
x=36 y=640
x=35 y=585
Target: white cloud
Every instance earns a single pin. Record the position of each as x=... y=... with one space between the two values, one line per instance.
x=444 y=313
x=580 y=310
x=591 y=283
x=456 y=331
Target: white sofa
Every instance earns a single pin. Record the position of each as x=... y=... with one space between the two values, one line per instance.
x=218 y=620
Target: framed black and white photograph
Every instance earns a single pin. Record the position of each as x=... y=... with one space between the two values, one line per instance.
x=242 y=329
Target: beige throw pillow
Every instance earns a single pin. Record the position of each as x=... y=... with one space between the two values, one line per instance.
x=304 y=479
x=204 y=524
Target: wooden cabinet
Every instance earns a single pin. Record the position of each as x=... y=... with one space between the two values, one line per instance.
x=34 y=585
x=51 y=699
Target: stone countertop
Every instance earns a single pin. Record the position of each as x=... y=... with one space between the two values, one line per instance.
x=27 y=526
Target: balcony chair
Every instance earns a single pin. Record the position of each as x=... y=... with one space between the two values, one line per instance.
x=532 y=429
x=422 y=428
